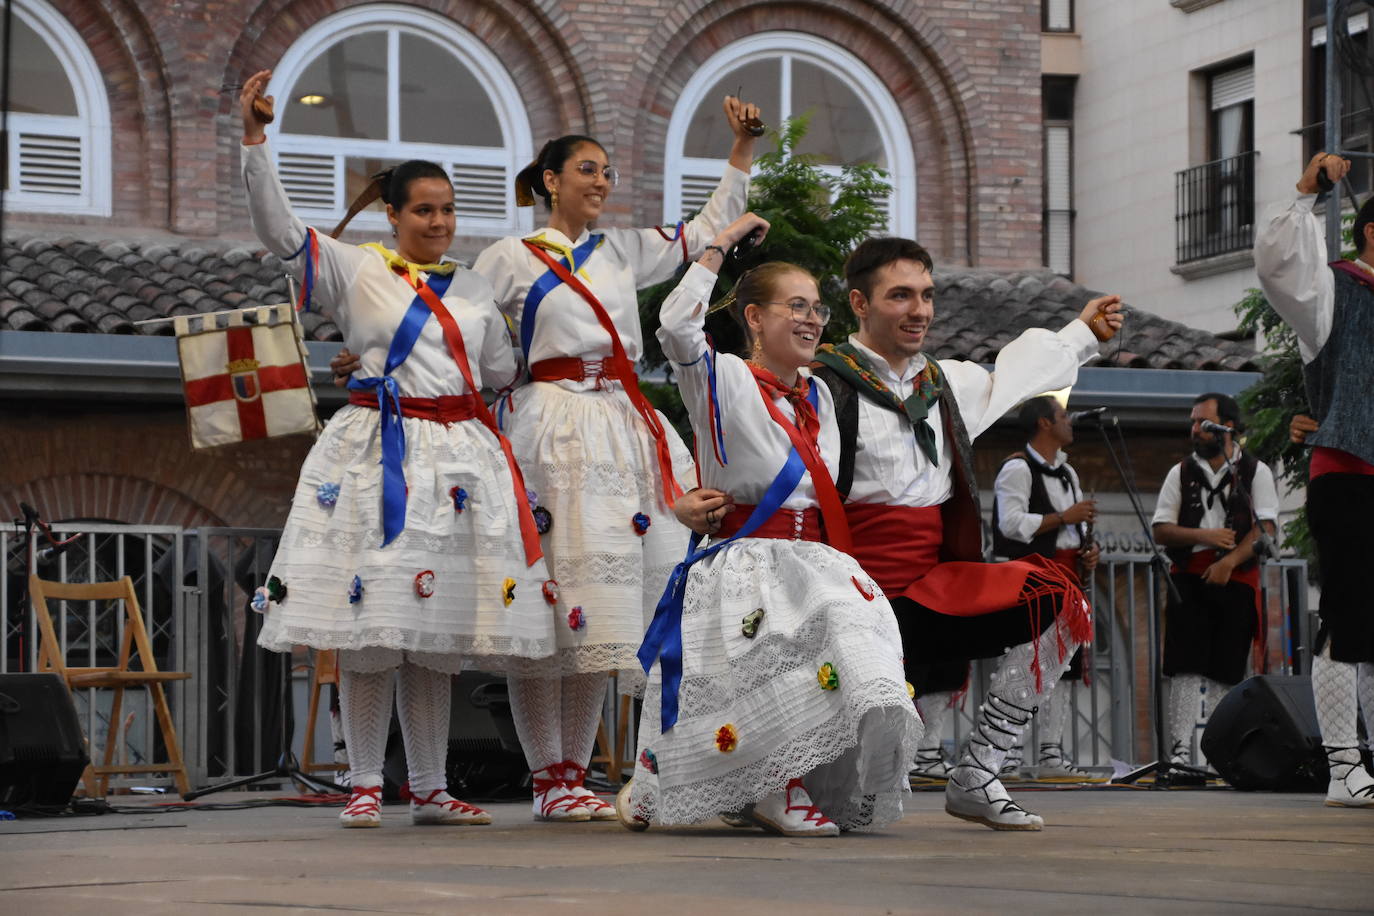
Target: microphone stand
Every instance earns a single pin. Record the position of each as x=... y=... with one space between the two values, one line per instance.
x=1166 y=773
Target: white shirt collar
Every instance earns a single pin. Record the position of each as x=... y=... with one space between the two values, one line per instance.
x=880 y=363
x=1059 y=457
x=1207 y=467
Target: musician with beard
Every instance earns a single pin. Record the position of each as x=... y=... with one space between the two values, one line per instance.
x=1206 y=523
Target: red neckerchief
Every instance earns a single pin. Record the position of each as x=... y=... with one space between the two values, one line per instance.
x=807 y=421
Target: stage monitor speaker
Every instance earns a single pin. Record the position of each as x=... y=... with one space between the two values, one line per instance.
x=42 y=750
x=1264 y=736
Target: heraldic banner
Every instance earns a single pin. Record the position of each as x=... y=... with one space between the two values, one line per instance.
x=245 y=375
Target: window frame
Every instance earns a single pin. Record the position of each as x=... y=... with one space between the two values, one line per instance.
x=835 y=61
x=392 y=20
x=90 y=126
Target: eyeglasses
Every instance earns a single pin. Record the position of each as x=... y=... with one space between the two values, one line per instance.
x=589 y=168
x=802 y=310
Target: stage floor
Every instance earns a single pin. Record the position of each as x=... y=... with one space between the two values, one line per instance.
x=1104 y=851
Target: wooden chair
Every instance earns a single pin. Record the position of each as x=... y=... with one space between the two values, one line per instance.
x=612 y=754
x=326 y=672
x=119 y=677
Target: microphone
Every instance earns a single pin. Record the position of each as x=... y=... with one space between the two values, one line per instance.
x=1217 y=428
x=1096 y=415
x=48 y=554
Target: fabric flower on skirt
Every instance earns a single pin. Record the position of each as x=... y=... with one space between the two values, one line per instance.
x=532 y=498
x=641 y=523
x=750 y=625
x=727 y=739
x=327 y=494
x=460 y=498
x=828 y=678
x=911 y=690
x=648 y=761
x=550 y=590
x=276 y=589
x=576 y=619
x=424 y=584
x=543 y=519
x=260 y=600
x=508 y=591
x=355 y=590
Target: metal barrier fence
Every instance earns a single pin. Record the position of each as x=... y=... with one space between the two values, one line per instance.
x=194 y=586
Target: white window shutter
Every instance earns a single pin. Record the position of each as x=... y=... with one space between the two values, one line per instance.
x=696 y=190
x=309 y=180
x=50 y=164
x=1233 y=87
x=481 y=192
x=1059 y=15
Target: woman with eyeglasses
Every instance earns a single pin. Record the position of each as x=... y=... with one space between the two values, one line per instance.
x=409 y=547
x=602 y=465
x=776 y=692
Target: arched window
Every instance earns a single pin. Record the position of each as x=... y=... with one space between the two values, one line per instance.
x=59 y=118
x=381 y=84
x=854 y=118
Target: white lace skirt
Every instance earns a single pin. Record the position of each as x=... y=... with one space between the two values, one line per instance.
x=476 y=555
x=590 y=459
x=755 y=712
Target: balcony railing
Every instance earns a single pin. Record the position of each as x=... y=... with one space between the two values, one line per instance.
x=1214 y=206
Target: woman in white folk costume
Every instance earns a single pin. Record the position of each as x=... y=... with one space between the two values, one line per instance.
x=777 y=692
x=602 y=464
x=410 y=545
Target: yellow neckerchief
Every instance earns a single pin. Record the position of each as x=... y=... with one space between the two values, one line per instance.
x=560 y=249
x=412 y=269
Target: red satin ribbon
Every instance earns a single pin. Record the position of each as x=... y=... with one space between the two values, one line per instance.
x=453 y=336
x=785 y=524
x=622 y=372
x=452 y=408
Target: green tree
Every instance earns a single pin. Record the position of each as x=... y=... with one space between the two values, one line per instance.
x=816 y=219
x=1272 y=402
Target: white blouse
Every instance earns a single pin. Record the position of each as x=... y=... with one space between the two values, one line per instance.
x=890 y=468
x=367 y=299
x=625 y=262
x=756 y=447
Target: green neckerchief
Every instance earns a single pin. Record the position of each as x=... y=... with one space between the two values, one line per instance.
x=854 y=367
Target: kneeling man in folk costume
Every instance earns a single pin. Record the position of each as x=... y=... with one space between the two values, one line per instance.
x=906 y=425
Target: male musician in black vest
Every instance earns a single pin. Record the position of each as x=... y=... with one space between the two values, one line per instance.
x=1331 y=309
x=1039 y=509
x=1205 y=520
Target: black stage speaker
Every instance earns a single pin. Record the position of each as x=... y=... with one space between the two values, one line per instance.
x=42 y=750
x=1264 y=736
x=484 y=756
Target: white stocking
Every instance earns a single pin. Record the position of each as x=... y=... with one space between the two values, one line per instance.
x=1364 y=686
x=584 y=697
x=1333 y=687
x=934 y=708
x=1216 y=692
x=1182 y=720
x=365 y=701
x=422 y=701
x=1054 y=715
x=537 y=706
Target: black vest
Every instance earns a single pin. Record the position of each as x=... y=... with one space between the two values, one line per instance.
x=961 y=513
x=1336 y=379
x=1039 y=504
x=1191 y=508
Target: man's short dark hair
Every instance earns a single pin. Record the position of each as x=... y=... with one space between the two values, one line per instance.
x=1363 y=218
x=1033 y=411
x=1227 y=408
x=872 y=255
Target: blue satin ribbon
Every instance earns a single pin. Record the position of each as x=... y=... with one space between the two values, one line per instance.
x=389 y=405
x=547 y=284
x=663 y=640
x=717 y=421
x=308 y=274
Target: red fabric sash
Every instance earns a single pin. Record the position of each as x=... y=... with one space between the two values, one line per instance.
x=786 y=524
x=806 y=444
x=623 y=372
x=1197 y=565
x=1334 y=461
x=1068 y=558
x=445 y=409
x=570 y=367
x=453 y=336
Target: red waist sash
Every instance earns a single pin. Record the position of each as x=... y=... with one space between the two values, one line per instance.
x=1334 y=461
x=786 y=524
x=570 y=367
x=1068 y=558
x=449 y=408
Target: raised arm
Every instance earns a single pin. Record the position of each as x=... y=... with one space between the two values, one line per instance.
x=279 y=230
x=656 y=258
x=1291 y=259
x=1037 y=361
